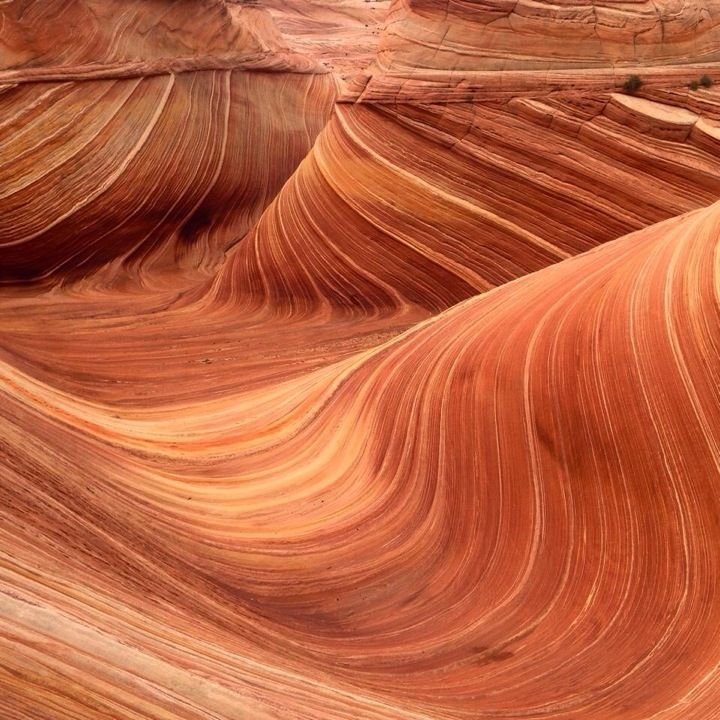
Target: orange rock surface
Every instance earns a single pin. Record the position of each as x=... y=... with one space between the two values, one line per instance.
x=540 y=35
x=344 y=374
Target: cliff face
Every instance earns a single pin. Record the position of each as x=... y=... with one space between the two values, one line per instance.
x=344 y=374
x=464 y=35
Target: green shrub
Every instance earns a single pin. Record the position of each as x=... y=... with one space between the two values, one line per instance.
x=694 y=85
x=632 y=84
x=706 y=81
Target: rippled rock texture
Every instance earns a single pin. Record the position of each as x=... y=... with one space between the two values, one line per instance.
x=344 y=375
x=542 y=35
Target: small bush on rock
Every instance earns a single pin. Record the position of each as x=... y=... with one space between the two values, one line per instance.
x=632 y=84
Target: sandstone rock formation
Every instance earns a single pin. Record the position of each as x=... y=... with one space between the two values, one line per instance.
x=343 y=375
x=69 y=33
x=541 y=35
x=470 y=196
x=145 y=166
x=343 y=34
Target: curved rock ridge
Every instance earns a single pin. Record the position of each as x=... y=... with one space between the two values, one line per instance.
x=131 y=134
x=464 y=521
x=428 y=205
x=150 y=171
x=466 y=35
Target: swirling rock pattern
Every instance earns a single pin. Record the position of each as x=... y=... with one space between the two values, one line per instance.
x=155 y=169
x=470 y=196
x=454 y=50
x=394 y=410
x=107 y=156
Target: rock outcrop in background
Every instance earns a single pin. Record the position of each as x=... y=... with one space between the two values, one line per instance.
x=464 y=35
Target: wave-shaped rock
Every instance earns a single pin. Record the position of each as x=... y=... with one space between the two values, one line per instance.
x=150 y=170
x=149 y=166
x=67 y=34
x=459 y=50
x=316 y=413
x=343 y=35
x=429 y=205
x=510 y=509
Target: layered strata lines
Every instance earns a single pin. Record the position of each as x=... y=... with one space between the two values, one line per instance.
x=162 y=167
